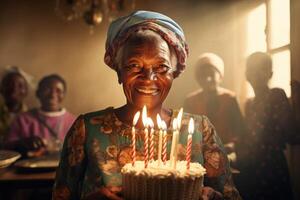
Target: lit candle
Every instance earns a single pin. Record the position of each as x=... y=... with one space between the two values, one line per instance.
x=159 y=124
x=164 y=146
x=189 y=144
x=145 y=119
x=177 y=130
x=135 y=119
x=151 y=125
x=173 y=146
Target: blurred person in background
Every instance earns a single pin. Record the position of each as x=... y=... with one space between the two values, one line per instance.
x=43 y=129
x=217 y=103
x=271 y=126
x=14 y=89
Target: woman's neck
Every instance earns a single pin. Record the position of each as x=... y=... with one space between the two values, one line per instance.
x=261 y=92
x=127 y=112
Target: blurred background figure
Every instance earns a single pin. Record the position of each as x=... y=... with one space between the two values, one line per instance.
x=219 y=104
x=271 y=125
x=14 y=89
x=43 y=129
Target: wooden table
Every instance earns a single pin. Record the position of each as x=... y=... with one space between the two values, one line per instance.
x=11 y=178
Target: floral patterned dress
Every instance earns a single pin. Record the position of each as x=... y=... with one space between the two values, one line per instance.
x=98 y=146
x=265 y=172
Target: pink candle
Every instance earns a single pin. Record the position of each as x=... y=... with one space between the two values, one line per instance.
x=133 y=140
x=151 y=125
x=145 y=119
x=189 y=144
x=164 y=143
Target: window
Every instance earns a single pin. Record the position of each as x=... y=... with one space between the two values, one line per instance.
x=268 y=30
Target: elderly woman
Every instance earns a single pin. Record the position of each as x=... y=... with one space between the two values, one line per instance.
x=148 y=51
x=216 y=102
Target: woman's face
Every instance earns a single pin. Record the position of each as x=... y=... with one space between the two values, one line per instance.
x=208 y=78
x=146 y=69
x=14 y=88
x=51 y=95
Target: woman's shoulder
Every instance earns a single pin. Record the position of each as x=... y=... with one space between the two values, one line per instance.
x=98 y=113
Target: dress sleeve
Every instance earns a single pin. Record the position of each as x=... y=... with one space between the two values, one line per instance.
x=70 y=173
x=284 y=117
x=237 y=121
x=218 y=175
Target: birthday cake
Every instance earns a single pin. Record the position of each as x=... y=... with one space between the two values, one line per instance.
x=158 y=182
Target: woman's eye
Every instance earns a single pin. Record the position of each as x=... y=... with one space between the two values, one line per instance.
x=162 y=68
x=134 y=67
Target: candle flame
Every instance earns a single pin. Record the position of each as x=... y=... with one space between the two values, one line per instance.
x=136 y=118
x=158 y=119
x=150 y=122
x=175 y=123
x=144 y=116
x=191 y=126
x=179 y=118
x=163 y=125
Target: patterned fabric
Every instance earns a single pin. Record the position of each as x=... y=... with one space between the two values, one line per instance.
x=6 y=119
x=98 y=146
x=265 y=172
x=168 y=29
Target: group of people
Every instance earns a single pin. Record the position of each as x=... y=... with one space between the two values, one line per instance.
x=37 y=131
x=148 y=51
x=258 y=138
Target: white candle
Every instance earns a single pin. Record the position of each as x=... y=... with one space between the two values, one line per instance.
x=133 y=140
x=173 y=146
x=159 y=125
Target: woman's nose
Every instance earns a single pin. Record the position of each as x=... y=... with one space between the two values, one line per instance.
x=149 y=74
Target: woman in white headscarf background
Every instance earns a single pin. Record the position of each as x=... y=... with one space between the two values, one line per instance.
x=217 y=103
x=148 y=51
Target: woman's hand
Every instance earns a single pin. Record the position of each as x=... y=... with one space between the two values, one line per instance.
x=209 y=193
x=107 y=193
x=31 y=146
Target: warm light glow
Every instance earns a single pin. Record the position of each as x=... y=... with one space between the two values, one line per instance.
x=158 y=120
x=179 y=118
x=279 y=23
x=150 y=122
x=256 y=24
x=191 y=126
x=136 y=118
x=144 y=116
x=175 y=124
x=163 y=125
x=282 y=71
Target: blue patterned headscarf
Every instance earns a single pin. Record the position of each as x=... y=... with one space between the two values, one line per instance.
x=120 y=30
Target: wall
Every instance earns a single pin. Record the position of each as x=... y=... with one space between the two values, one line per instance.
x=34 y=38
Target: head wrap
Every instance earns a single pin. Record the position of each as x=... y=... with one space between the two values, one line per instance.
x=213 y=60
x=120 y=29
x=10 y=69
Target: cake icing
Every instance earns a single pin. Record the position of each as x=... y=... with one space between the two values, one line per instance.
x=160 y=182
